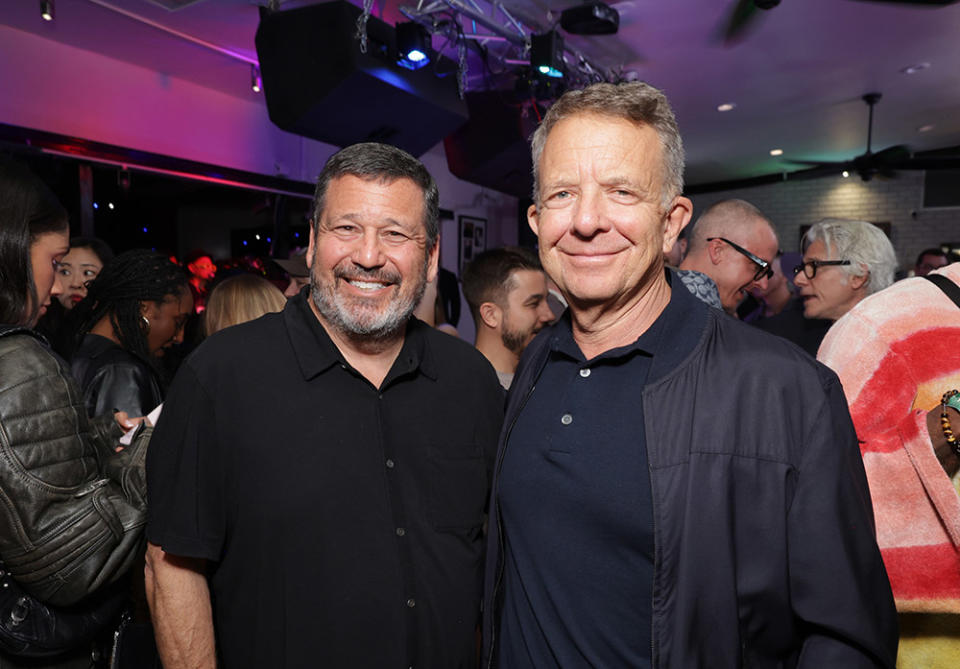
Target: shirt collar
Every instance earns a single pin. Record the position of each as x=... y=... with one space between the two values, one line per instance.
x=316 y=352
x=668 y=340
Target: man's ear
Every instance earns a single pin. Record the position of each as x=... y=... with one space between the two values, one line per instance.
x=715 y=251
x=681 y=210
x=433 y=261
x=309 y=257
x=858 y=282
x=532 y=219
x=491 y=315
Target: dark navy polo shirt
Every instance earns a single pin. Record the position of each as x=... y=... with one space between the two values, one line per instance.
x=576 y=503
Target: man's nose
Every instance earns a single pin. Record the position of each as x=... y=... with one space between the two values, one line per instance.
x=588 y=215
x=544 y=314
x=800 y=279
x=762 y=283
x=369 y=250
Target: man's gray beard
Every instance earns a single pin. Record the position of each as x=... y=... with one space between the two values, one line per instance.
x=336 y=309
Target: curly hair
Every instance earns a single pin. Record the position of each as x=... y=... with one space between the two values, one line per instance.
x=125 y=282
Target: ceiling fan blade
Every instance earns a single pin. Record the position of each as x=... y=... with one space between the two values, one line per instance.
x=892 y=154
x=930 y=163
x=743 y=14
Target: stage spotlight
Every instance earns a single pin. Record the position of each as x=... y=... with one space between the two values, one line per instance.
x=413 y=45
x=46 y=10
x=256 y=81
x=546 y=54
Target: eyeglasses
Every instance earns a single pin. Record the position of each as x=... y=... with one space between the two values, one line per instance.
x=810 y=267
x=763 y=267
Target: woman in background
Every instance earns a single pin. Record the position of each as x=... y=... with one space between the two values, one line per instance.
x=81 y=265
x=134 y=310
x=240 y=299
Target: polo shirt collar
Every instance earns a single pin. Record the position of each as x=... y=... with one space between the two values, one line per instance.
x=670 y=338
x=316 y=352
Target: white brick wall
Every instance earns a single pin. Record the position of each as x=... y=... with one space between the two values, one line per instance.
x=790 y=204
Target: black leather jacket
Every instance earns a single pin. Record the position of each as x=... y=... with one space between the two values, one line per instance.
x=765 y=555
x=113 y=379
x=73 y=509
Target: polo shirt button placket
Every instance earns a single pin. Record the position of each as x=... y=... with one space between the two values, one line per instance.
x=566 y=419
x=411 y=603
x=401 y=532
x=390 y=463
x=585 y=372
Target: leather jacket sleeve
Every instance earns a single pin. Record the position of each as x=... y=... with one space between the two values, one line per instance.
x=121 y=387
x=73 y=509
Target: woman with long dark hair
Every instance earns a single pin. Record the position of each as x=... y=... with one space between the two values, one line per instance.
x=75 y=507
x=133 y=311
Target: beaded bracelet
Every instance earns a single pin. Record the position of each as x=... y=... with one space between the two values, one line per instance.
x=945 y=420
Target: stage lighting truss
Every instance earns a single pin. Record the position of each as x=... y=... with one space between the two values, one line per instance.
x=501 y=39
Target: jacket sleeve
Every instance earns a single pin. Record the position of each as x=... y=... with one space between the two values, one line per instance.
x=73 y=510
x=120 y=387
x=838 y=585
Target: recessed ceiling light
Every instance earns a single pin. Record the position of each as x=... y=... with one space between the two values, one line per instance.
x=776 y=152
x=726 y=106
x=925 y=128
x=913 y=69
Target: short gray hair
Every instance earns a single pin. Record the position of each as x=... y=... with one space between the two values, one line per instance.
x=385 y=163
x=863 y=244
x=634 y=101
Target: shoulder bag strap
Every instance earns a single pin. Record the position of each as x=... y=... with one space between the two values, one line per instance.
x=947 y=286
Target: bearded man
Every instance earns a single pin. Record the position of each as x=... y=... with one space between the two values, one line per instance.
x=318 y=477
x=507 y=293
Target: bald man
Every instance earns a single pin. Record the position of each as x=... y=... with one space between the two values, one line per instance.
x=731 y=250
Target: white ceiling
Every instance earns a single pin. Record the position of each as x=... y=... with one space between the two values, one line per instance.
x=796 y=78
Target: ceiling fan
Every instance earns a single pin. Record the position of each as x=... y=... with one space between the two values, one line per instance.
x=883 y=163
x=746 y=12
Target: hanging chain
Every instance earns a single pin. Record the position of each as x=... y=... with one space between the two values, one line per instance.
x=462 y=66
x=361 y=33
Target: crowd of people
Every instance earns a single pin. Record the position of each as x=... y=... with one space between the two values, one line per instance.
x=671 y=445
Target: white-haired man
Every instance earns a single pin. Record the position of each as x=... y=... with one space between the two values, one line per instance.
x=843 y=262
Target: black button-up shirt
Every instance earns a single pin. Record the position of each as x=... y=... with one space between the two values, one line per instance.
x=343 y=521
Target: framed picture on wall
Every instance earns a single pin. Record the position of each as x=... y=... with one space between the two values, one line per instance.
x=473 y=238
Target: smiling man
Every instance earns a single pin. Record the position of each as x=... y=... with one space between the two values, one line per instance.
x=732 y=248
x=661 y=498
x=318 y=477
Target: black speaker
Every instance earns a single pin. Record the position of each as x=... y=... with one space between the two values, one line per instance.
x=318 y=83
x=491 y=149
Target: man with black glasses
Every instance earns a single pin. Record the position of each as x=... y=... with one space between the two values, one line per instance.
x=731 y=248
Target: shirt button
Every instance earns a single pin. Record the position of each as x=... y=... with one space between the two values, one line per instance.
x=566 y=419
x=411 y=603
x=389 y=463
x=401 y=531
x=585 y=372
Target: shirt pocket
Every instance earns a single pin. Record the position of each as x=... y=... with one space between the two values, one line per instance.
x=457 y=487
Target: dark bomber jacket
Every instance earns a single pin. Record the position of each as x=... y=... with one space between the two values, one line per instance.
x=765 y=553
x=71 y=509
